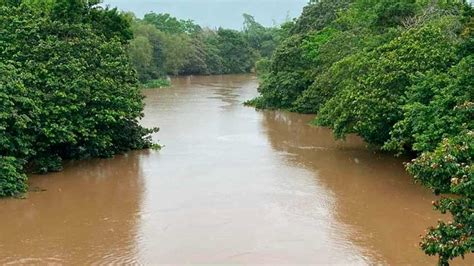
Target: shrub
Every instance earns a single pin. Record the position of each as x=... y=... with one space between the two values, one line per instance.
x=67 y=88
x=12 y=178
x=262 y=67
x=157 y=83
x=450 y=169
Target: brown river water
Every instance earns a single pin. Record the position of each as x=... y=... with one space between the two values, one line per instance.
x=232 y=185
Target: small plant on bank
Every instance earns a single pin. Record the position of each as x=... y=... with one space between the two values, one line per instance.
x=157 y=84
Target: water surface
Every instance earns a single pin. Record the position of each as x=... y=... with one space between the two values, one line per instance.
x=232 y=185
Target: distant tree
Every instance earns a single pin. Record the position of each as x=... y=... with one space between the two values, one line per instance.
x=235 y=51
x=261 y=39
x=183 y=47
x=155 y=68
x=177 y=49
x=141 y=54
x=169 y=24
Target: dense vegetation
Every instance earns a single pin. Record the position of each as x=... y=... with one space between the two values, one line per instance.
x=399 y=73
x=164 y=45
x=67 y=88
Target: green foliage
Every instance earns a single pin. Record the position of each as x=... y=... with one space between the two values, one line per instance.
x=67 y=88
x=391 y=13
x=325 y=86
x=262 y=40
x=141 y=54
x=282 y=89
x=257 y=102
x=400 y=75
x=294 y=60
x=450 y=169
x=263 y=66
x=438 y=106
x=168 y=24
x=314 y=42
x=146 y=51
x=236 y=54
x=318 y=14
x=287 y=77
x=12 y=178
x=164 y=45
x=176 y=49
x=157 y=83
x=371 y=104
x=213 y=60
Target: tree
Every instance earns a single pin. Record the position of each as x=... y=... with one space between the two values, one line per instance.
x=371 y=104
x=169 y=24
x=261 y=39
x=177 y=49
x=141 y=54
x=147 y=51
x=318 y=14
x=68 y=91
x=235 y=51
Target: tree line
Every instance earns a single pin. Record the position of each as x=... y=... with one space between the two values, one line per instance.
x=400 y=75
x=164 y=45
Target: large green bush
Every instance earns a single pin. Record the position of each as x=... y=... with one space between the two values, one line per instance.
x=68 y=90
x=12 y=178
x=371 y=104
x=437 y=106
x=287 y=77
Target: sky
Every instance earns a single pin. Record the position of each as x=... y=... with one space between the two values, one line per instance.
x=216 y=13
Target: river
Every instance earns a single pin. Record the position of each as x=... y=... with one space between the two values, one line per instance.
x=232 y=185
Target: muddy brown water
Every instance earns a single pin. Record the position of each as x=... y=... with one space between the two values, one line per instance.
x=232 y=185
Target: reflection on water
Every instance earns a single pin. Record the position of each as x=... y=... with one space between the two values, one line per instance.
x=373 y=193
x=87 y=213
x=232 y=185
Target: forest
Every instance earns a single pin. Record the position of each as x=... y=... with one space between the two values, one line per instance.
x=400 y=75
x=164 y=45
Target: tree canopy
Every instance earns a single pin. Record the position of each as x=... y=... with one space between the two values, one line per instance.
x=67 y=88
x=164 y=45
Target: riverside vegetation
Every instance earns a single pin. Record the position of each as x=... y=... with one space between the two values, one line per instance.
x=164 y=45
x=400 y=75
x=71 y=73
x=67 y=89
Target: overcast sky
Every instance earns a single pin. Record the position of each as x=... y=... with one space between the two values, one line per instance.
x=215 y=13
